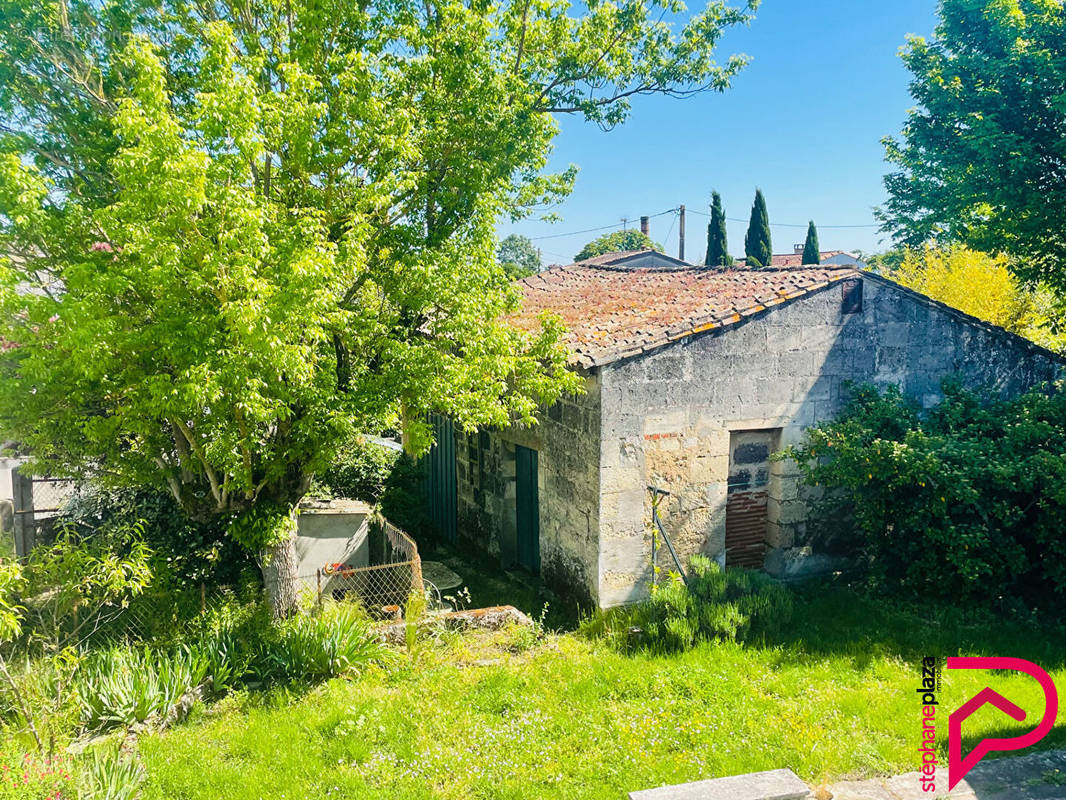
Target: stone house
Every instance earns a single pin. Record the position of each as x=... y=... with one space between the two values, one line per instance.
x=693 y=377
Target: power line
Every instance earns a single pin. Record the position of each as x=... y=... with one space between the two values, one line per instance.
x=788 y=224
x=601 y=228
x=672 y=223
x=620 y=224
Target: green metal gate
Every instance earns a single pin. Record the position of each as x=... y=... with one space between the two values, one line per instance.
x=440 y=479
x=528 y=508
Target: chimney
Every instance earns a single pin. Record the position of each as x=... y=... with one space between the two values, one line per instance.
x=798 y=248
x=644 y=225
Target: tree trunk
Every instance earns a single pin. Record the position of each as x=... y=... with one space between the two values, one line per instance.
x=279 y=565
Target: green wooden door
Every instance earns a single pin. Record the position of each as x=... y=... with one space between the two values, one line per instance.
x=440 y=479
x=528 y=508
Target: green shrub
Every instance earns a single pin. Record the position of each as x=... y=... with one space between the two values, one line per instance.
x=335 y=640
x=378 y=475
x=360 y=471
x=73 y=587
x=403 y=502
x=716 y=603
x=186 y=553
x=24 y=776
x=965 y=501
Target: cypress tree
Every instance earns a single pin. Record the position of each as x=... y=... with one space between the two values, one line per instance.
x=757 y=246
x=811 y=252
x=717 y=248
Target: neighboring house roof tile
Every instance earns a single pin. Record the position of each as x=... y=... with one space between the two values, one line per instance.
x=613 y=312
x=796 y=259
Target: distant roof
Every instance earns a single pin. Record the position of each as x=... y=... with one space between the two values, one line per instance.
x=643 y=258
x=796 y=259
x=613 y=312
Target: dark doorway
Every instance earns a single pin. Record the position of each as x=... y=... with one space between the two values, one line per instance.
x=527 y=503
x=440 y=479
x=746 y=506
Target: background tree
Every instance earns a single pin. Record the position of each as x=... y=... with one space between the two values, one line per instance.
x=884 y=263
x=977 y=283
x=717 y=247
x=984 y=286
x=758 y=248
x=812 y=253
x=250 y=230
x=619 y=241
x=518 y=257
x=980 y=158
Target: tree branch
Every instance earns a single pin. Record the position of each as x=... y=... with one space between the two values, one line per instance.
x=208 y=469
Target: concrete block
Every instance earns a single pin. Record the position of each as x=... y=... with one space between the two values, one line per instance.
x=778 y=784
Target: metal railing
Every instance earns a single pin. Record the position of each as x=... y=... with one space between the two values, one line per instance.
x=657 y=495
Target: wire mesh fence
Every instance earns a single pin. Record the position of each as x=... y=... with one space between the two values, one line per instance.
x=53 y=622
x=37 y=503
x=384 y=587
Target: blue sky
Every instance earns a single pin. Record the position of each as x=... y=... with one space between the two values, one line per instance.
x=803 y=122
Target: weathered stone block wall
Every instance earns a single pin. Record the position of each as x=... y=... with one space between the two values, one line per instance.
x=666 y=416
x=567 y=441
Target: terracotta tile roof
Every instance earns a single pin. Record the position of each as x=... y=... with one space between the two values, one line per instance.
x=612 y=312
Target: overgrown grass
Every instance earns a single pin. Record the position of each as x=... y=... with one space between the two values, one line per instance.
x=570 y=717
x=711 y=603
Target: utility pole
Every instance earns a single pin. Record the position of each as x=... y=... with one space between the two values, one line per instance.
x=681 y=234
x=625 y=223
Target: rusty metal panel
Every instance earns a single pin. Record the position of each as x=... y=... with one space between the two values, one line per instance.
x=745 y=529
x=746 y=506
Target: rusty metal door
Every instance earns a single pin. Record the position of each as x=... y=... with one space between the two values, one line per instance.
x=746 y=504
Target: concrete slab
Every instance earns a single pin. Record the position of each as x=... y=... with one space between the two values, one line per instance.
x=859 y=790
x=778 y=784
x=1036 y=776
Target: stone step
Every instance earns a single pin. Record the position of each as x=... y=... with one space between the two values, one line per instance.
x=777 y=784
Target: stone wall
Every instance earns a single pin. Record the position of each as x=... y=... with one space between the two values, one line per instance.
x=666 y=417
x=567 y=441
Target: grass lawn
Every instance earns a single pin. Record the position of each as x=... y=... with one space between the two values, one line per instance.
x=505 y=716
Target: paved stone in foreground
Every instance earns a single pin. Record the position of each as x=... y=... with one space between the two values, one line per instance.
x=1037 y=776
x=778 y=784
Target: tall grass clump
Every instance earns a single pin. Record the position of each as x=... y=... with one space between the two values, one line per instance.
x=715 y=603
x=335 y=640
x=110 y=774
x=120 y=686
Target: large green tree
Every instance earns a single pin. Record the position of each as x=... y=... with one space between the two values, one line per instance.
x=717 y=246
x=758 y=248
x=618 y=242
x=234 y=233
x=982 y=159
x=812 y=254
x=518 y=257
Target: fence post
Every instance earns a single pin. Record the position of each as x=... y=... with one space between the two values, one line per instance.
x=23 y=516
x=203 y=599
x=318 y=586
